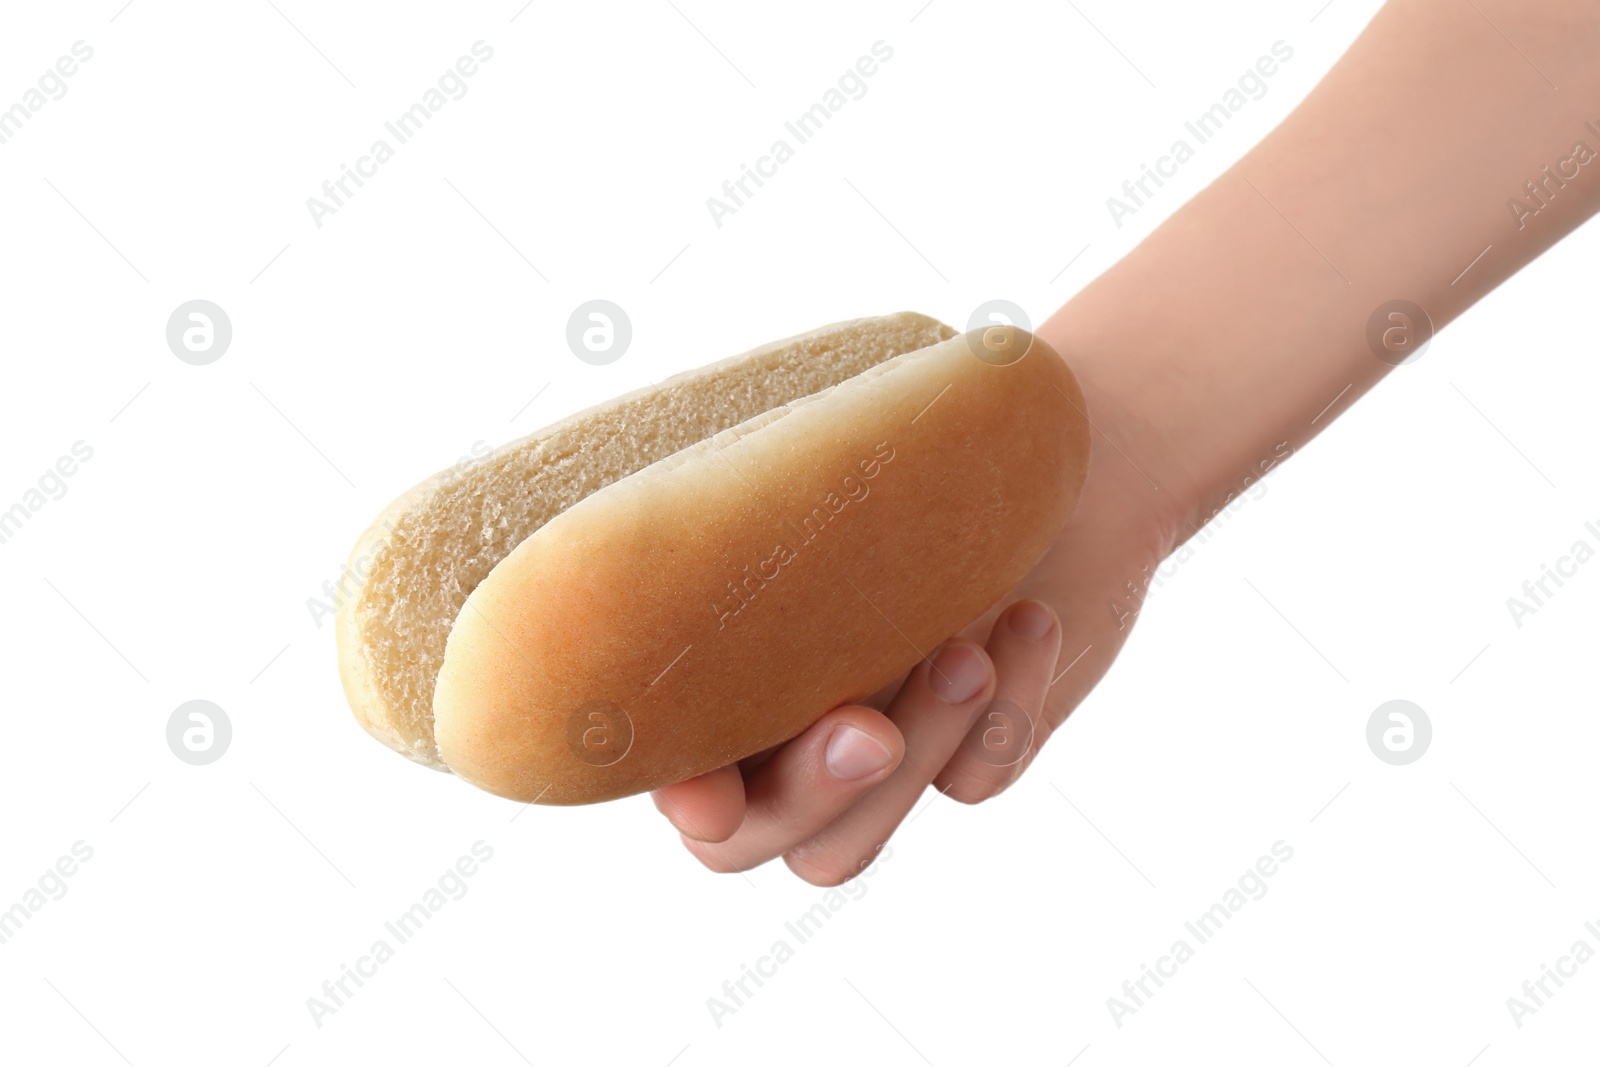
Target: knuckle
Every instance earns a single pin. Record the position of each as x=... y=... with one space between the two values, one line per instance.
x=966 y=786
x=823 y=868
x=713 y=857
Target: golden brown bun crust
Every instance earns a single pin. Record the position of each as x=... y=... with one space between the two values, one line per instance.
x=719 y=602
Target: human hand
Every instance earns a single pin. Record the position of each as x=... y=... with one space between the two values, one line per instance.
x=968 y=719
x=1227 y=339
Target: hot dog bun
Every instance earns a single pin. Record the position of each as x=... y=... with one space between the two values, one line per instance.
x=432 y=547
x=722 y=599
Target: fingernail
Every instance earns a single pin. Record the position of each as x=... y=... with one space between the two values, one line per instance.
x=1030 y=620
x=852 y=754
x=957 y=675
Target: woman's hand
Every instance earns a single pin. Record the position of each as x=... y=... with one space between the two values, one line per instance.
x=969 y=719
x=1228 y=338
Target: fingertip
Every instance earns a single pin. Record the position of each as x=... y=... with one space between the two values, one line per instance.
x=960 y=671
x=1031 y=620
x=706 y=808
x=859 y=745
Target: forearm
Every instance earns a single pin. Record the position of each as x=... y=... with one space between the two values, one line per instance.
x=1239 y=328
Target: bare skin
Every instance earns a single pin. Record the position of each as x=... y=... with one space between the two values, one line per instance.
x=1232 y=335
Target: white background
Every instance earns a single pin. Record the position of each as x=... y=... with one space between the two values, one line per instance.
x=415 y=325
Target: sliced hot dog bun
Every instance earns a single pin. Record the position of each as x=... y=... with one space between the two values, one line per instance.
x=721 y=600
x=421 y=558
